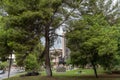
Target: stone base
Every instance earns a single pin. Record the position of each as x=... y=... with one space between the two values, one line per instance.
x=60 y=69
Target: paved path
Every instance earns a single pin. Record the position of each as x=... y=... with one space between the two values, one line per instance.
x=5 y=75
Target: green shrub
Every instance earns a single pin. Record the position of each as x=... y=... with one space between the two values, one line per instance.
x=3 y=65
x=31 y=63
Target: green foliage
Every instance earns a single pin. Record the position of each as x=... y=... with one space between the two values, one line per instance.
x=31 y=63
x=93 y=39
x=109 y=9
x=27 y=21
x=3 y=65
x=36 y=18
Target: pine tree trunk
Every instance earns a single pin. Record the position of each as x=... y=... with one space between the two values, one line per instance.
x=94 y=68
x=47 y=57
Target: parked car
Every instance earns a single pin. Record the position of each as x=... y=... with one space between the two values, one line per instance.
x=2 y=71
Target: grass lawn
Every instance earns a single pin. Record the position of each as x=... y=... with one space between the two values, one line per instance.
x=69 y=75
x=59 y=78
x=76 y=72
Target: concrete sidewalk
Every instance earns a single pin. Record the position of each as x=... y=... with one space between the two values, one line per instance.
x=12 y=73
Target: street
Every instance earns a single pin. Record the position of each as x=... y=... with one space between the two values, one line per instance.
x=12 y=73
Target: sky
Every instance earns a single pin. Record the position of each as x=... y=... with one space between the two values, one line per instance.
x=58 y=42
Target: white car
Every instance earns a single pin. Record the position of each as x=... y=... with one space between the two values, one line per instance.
x=2 y=71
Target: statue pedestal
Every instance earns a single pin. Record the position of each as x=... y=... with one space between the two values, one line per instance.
x=61 y=68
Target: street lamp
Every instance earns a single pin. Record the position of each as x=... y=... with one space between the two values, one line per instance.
x=10 y=63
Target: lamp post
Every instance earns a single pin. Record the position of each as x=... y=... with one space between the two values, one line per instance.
x=10 y=63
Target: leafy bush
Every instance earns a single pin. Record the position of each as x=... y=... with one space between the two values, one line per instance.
x=31 y=63
x=3 y=65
